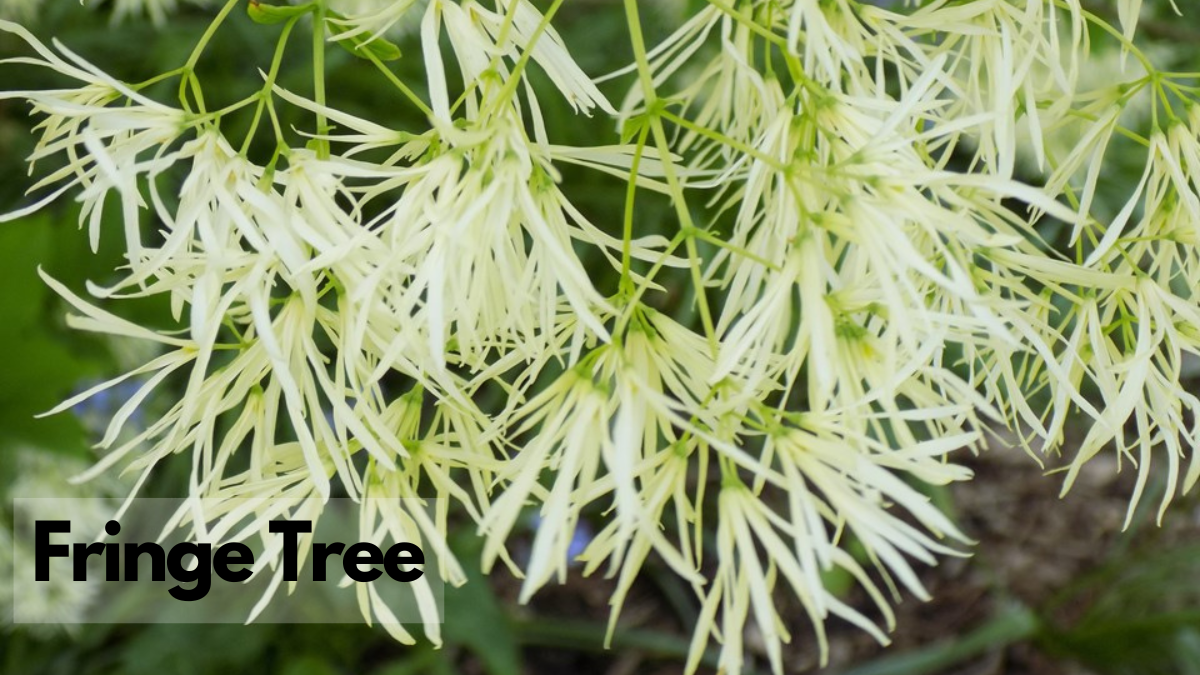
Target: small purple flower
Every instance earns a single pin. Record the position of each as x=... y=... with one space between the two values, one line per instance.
x=580 y=538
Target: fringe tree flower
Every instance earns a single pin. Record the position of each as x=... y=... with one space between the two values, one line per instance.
x=853 y=287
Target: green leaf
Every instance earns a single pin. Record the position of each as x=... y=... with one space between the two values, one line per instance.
x=42 y=364
x=22 y=245
x=475 y=618
x=633 y=126
x=1141 y=618
x=269 y=14
x=1013 y=623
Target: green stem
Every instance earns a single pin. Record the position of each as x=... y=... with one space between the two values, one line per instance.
x=189 y=67
x=1105 y=26
x=723 y=140
x=627 y=236
x=194 y=58
x=398 y=83
x=319 y=77
x=510 y=86
x=750 y=23
x=654 y=112
x=265 y=99
x=156 y=79
x=632 y=303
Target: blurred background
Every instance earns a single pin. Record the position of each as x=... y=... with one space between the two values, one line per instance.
x=1054 y=586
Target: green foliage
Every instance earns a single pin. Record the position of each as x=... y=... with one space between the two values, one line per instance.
x=1142 y=617
x=43 y=361
x=267 y=14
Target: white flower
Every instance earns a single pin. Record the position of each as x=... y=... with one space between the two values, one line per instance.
x=371 y=19
x=421 y=311
x=107 y=147
x=481 y=37
x=457 y=255
x=837 y=480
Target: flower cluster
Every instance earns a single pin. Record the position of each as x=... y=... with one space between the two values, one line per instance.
x=858 y=284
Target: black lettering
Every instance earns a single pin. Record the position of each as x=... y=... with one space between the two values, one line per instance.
x=353 y=559
x=80 y=553
x=202 y=575
x=396 y=556
x=43 y=550
x=291 y=531
x=222 y=561
x=158 y=560
x=321 y=553
x=112 y=553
